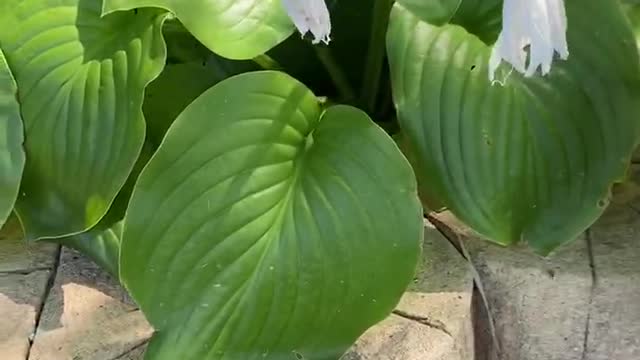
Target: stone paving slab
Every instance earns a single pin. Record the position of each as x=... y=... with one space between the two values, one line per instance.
x=433 y=319
x=580 y=303
x=134 y=354
x=16 y=255
x=614 y=317
x=21 y=297
x=539 y=306
x=87 y=315
x=25 y=271
x=398 y=338
x=442 y=268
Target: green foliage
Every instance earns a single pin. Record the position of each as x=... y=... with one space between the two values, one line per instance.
x=80 y=79
x=11 y=154
x=281 y=215
x=236 y=29
x=534 y=159
x=250 y=218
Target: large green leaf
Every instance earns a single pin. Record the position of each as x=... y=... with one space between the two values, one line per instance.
x=263 y=228
x=11 y=136
x=191 y=69
x=632 y=10
x=102 y=242
x=81 y=80
x=236 y=29
x=533 y=159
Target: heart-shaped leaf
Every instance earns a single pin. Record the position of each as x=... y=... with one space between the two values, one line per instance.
x=533 y=159
x=236 y=29
x=263 y=228
x=11 y=136
x=81 y=80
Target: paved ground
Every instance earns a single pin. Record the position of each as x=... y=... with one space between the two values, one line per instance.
x=580 y=303
x=57 y=305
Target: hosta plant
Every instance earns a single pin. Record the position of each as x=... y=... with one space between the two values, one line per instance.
x=247 y=185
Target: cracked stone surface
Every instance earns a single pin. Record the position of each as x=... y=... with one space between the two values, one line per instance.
x=398 y=338
x=614 y=322
x=87 y=315
x=136 y=353
x=21 y=298
x=580 y=303
x=539 y=305
x=433 y=319
x=25 y=271
x=18 y=256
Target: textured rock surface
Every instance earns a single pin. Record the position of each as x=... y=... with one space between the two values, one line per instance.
x=16 y=255
x=433 y=319
x=21 y=297
x=540 y=306
x=134 y=354
x=25 y=271
x=398 y=338
x=614 y=314
x=580 y=303
x=87 y=315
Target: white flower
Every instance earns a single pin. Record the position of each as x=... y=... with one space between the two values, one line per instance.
x=310 y=16
x=539 y=24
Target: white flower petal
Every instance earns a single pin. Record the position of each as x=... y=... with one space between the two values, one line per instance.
x=539 y=24
x=310 y=16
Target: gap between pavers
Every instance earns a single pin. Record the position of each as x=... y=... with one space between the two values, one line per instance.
x=25 y=273
x=613 y=330
x=87 y=315
x=21 y=298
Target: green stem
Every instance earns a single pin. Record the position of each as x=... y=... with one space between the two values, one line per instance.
x=376 y=53
x=335 y=72
x=267 y=62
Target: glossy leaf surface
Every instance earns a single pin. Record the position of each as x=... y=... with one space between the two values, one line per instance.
x=263 y=228
x=11 y=136
x=236 y=29
x=80 y=81
x=532 y=159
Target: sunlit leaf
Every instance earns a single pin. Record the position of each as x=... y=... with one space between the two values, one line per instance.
x=263 y=228
x=11 y=136
x=236 y=29
x=80 y=81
